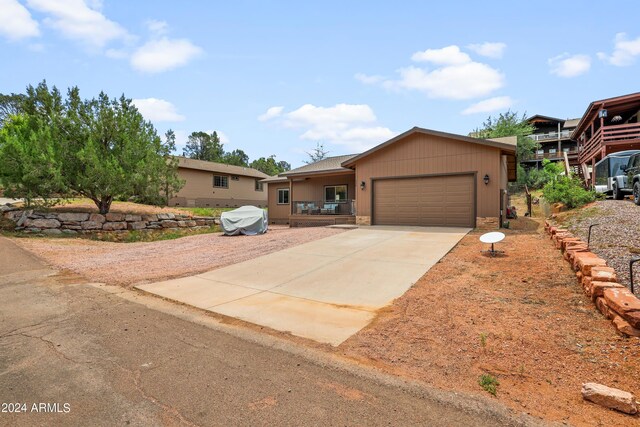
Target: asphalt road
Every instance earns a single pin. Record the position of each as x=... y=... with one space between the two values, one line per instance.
x=102 y=357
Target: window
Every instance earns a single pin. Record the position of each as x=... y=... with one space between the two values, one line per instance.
x=221 y=181
x=335 y=194
x=566 y=149
x=235 y=178
x=540 y=151
x=283 y=196
x=552 y=151
x=259 y=185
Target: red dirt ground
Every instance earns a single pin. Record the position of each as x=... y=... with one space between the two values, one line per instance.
x=543 y=337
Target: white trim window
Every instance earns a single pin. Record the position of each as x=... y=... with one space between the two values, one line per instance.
x=259 y=185
x=283 y=196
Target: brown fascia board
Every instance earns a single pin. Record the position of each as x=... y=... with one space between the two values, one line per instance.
x=320 y=172
x=506 y=147
x=547 y=118
x=590 y=110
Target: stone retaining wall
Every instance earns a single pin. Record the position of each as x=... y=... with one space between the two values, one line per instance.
x=30 y=221
x=599 y=282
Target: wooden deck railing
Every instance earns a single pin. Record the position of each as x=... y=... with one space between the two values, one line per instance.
x=557 y=155
x=606 y=135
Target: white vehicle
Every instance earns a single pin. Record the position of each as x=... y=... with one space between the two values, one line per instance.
x=609 y=175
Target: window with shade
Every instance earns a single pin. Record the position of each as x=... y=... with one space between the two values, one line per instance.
x=335 y=194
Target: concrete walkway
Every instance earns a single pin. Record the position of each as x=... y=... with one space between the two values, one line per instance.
x=326 y=290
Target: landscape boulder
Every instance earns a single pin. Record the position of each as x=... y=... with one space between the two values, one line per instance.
x=73 y=217
x=133 y=218
x=99 y=218
x=42 y=223
x=137 y=225
x=621 y=300
x=167 y=215
x=604 y=274
x=596 y=288
x=91 y=225
x=114 y=217
x=625 y=327
x=585 y=264
x=608 y=397
x=114 y=226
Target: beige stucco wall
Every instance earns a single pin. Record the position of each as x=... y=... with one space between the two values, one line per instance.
x=199 y=191
x=422 y=154
x=277 y=213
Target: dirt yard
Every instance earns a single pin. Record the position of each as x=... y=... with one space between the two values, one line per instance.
x=521 y=317
x=130 y=263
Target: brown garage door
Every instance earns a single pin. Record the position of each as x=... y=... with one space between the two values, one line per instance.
x=429 y=201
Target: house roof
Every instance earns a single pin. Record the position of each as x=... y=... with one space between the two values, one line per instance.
x=540 y=117
x=571 y=123
x=614 y=105
x=273 y=179
x=328 y=164
x=184 y=162
x=506 y=146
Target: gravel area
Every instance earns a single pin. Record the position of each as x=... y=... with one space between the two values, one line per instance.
x=131 y=263
x=617 y=237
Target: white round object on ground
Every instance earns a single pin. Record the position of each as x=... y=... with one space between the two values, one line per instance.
x=493 y=237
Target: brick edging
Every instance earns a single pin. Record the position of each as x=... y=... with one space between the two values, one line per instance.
x=598 y=281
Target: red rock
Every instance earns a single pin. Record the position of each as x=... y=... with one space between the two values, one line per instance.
x=604 y=274
x=579 y=255
x=586 y=285
x=569 y=241
x=579 y=276
x=585 y=264
x=612 y=398
x=625 y=328
x=597 y=288
x=604 y=308
x=621 y=300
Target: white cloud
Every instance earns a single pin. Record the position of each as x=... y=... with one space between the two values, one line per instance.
x=158 y=110
x=450 y=55
x=368 y=80
x=465 y=81
x=16 y=22
x=624 y=53
x=454 y=75
x=351 y=125
x=566 y=65
x=270 y=114
x=488 y=49
x=156 y=27
x=164 y=54
x=80 y=21
x=489 y=105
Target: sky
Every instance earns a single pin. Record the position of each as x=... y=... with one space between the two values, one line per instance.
x=278 y=77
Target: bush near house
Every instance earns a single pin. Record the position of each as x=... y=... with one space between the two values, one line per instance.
x=560 y=188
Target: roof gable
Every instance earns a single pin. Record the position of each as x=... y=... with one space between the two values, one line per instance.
x=486 y=142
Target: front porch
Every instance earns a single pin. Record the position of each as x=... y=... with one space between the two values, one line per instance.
x=306 y=220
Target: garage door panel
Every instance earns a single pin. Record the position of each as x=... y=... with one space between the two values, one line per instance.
x=428 y=201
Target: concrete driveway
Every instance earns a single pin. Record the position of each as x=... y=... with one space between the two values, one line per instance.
x=325 y=290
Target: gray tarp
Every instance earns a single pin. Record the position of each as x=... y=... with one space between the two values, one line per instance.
x=247 y=220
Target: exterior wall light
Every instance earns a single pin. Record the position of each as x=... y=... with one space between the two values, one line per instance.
x=486 y=179
x=362 y=185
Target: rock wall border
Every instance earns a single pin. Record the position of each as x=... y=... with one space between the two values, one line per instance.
x=55 y=223
x=599 y=282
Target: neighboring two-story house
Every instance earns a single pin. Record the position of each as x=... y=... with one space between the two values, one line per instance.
x=554 y=139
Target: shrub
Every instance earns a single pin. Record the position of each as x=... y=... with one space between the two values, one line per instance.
x=567 y=190
x=489 y=383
